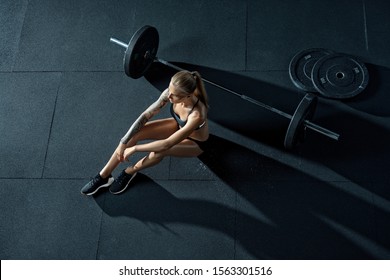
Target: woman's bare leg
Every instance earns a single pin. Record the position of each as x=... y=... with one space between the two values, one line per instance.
x=186 y=148
x=154 y=130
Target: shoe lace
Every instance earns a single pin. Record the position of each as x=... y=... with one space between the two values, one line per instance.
x=122 y=177
x=94 y=180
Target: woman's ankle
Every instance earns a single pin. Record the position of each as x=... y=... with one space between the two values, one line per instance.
x=104 y=175
x=130 y=170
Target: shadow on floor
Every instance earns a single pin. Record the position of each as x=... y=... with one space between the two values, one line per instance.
x=361 y=154
x=305 y=219
x=299 y=218
x=375 y=98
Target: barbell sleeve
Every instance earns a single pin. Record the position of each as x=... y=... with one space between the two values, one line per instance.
x=322 y=130
x=118 y=42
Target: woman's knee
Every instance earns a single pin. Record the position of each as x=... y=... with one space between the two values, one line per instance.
x=156 y=155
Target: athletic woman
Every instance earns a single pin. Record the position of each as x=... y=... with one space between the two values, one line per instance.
x=185 y=134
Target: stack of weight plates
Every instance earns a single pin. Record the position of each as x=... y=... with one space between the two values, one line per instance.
x=331 y=74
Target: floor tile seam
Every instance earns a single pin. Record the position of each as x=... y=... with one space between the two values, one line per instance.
x=20 y=35
x=310 y=180
x=100 y=229
x=51 y=127
x=265 y=69
x=62 y=71
x=6 y=72
x=249 y=71
x=42 y=178
x=169 y=167
x=365 y=25
x=246 y=36
x=185 y=180
x=246 y=70
x=374 y=220
x=86 y=178
x=235 y=225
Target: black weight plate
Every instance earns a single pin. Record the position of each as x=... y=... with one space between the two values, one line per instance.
x=301 y=66
x=339 y=76
x=141 y=51
x=296 y=129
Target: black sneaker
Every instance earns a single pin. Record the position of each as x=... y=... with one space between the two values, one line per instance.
x=96 y=183
x=122 y=182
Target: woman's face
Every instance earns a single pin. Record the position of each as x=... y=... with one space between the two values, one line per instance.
x=173 y=95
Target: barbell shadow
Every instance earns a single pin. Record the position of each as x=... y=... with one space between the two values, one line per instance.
x=308 y=219
x=235 y=113
x=364 y=141
x=363 y=154
x=314 y=201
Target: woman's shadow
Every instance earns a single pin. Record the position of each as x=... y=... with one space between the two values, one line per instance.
x=304 y=220
x=299 y=218
x=361 y=155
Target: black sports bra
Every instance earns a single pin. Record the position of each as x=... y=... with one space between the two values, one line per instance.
x=182 y=123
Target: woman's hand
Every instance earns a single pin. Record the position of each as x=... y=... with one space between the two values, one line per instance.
x=128 y=152
x=119 y=152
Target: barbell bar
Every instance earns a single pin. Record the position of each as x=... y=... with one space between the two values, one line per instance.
x=308 y=124
x=141 y=52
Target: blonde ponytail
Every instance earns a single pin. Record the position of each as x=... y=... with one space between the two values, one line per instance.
x=190 y=82
x=201 y=90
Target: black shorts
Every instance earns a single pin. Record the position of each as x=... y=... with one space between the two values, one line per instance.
x=203 y=145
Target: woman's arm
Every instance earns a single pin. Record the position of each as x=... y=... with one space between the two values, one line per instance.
x=146 y=116
x=193 y=122
x=140 y=122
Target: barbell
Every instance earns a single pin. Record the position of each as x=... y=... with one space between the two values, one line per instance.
x=141 y=52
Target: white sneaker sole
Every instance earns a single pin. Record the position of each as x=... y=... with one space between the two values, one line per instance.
x=109 y=182
x=121 y=191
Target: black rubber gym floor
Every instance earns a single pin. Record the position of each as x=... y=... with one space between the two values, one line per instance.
x=65 y=102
